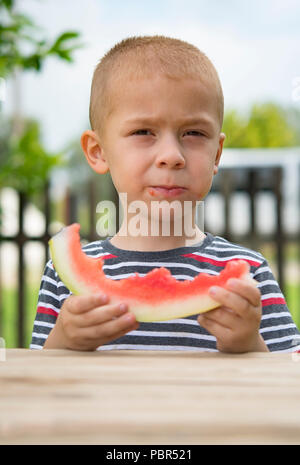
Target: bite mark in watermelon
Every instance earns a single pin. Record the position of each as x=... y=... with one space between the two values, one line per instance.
x=157 y=296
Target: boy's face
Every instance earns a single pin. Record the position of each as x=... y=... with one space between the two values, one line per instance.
x=160 y=132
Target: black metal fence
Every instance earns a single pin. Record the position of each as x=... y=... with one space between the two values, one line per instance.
x=250 y=181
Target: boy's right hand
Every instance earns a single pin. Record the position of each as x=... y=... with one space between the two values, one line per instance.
x=87 y=322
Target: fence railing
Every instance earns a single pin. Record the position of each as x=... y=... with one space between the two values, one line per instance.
x=249 y=181
x=252 y=183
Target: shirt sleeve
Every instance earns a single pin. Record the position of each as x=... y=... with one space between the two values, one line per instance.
x=277 y=327
x=52 y=294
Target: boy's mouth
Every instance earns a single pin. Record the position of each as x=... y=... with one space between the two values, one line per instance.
x=166 y=191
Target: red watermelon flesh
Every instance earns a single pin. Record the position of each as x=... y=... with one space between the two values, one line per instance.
x=157 y=296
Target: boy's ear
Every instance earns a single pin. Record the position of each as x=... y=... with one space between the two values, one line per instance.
x=93 y=151
x=219 y=152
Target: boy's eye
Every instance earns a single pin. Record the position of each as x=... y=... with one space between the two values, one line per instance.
x=194 y=133
x=142 y=132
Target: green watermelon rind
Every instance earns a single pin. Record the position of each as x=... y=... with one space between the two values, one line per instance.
x=168 y=309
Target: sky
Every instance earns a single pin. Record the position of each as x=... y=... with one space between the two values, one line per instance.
x=255 y=46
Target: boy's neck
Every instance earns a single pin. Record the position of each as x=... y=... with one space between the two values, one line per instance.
x=155 y=243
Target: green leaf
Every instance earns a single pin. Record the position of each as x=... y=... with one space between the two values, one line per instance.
x=23 y=21
x=8 y=4
x=62 y=38
x=18 y=30
x=32 y=61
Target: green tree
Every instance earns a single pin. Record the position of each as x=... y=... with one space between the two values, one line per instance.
x=268 y=125
x=24 y=163
x=17 y=32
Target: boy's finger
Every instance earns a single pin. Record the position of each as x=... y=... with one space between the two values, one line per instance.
x=122 y=333
x=222 y=316
x=246 y=290
x=110 y=330
x=229 y=299
x=83 y=303
x=99 y=315
x=213 y=327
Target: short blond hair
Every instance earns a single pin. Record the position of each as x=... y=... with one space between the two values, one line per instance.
x=140 y=57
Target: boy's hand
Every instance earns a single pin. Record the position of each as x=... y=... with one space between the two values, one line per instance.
x=87 y=322
x=235 y=324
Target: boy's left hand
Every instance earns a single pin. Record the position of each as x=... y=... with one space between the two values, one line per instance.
x=235 y=324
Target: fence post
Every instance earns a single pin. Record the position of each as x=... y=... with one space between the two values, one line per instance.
x=47 y=211
x=21 y=271
x=279 y=233
x=92 y=210
x=226 y=188
x=252 y=190
x=1 y=292
x=71 y=207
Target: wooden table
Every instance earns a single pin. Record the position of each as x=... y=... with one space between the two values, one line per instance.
x=141 y=397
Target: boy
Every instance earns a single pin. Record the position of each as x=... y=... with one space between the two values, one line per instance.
x=156 y=114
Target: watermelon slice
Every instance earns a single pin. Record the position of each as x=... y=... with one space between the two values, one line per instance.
x=157 y=296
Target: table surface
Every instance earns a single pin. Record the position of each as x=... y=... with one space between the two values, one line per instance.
x=143 y=397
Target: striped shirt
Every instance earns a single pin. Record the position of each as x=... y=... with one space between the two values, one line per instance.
x=210 y=256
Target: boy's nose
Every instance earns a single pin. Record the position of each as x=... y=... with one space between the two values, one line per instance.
x=170 y=154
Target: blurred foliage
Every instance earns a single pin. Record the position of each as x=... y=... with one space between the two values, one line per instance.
x=17 y=31
x=78 y=171
x=24 y=162
x=267 y=125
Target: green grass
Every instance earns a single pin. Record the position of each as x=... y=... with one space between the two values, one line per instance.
x=10 y=316
x=292 y=295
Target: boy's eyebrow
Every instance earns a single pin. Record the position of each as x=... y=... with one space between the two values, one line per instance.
x=184 y=121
